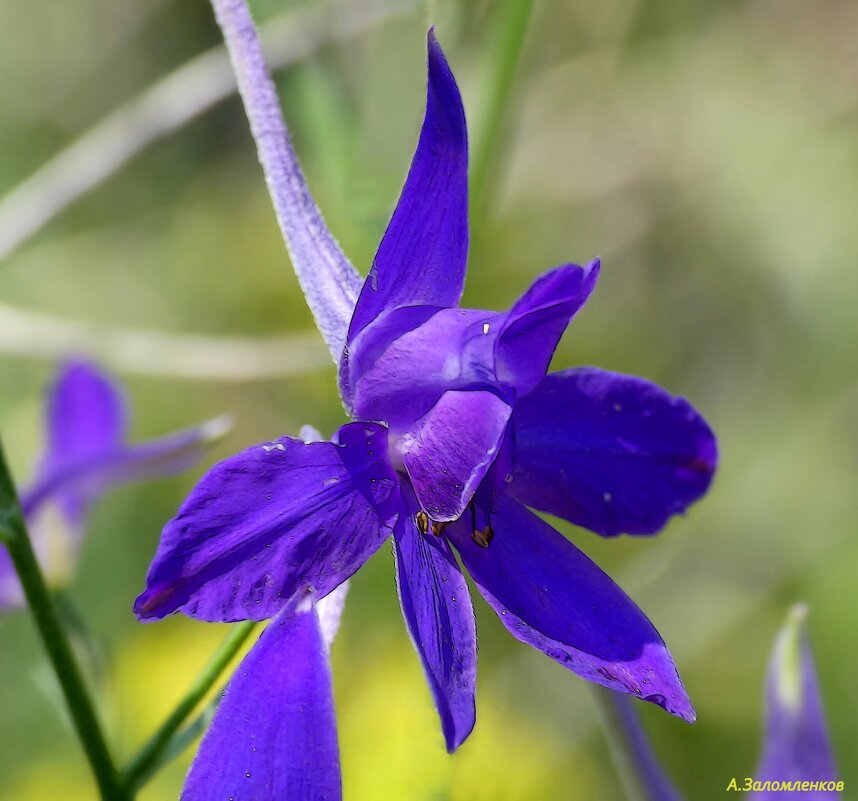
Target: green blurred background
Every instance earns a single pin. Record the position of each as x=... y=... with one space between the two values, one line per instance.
x=708 y=151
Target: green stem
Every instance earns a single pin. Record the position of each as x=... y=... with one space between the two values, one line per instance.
x=513 y=19
x=13 y=533
x=643 y=777
x=150 y=755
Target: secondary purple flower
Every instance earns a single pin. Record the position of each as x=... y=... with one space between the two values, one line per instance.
x=457 y=432
x=86 y=453
x=796 y=747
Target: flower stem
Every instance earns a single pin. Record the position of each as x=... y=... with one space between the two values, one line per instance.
x=329 y=281
x=13 y=533
x=513 y=20
x=643 y=777
x=150 y=756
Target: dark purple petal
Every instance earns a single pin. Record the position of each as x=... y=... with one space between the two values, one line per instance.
x=421 y=258
x=610 y=452
x=273 y=737
x=534 y=325
x=437 y=609
x=274 y=520
x=796 y=746
x=451 y=448
x=551 y=596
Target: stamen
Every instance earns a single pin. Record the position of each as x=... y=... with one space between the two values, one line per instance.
x=438 y=528
x=484 y=536
x=422 y=520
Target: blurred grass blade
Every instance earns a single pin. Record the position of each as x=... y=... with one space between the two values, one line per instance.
x=167 y=106
x=13 y=533
x=155 y=751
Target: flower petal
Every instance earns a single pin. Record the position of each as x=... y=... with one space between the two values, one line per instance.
x=551 y=596
x=437 y=609
x=274 y=733
x=796 y=746
x=399 y=379
x=421 y=258
x=610 y=452
x=534 y=325
x=451 y=448
x=271 y=521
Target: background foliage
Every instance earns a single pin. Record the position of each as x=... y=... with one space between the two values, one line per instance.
x=706 y=150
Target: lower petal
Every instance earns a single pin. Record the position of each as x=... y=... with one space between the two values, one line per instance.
x=274 y=733
x=551 y=596
x=451 y=448
x=610 y=452
x=437 y=609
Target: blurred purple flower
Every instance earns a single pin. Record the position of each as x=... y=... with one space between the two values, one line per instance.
x=86 y=453
x=796 y=747
x=459 y=431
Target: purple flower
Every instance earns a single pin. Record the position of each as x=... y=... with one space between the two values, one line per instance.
x=457 y=432
x=86 y=453
x=796 y=747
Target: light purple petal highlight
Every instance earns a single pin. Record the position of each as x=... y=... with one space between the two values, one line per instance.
x=534 y=325
x=330 y=283
x=403 y=363
x=436 y=605
x=451 y=448
x=273 y=737
x=422 y=256
x=796 y=745
x=610 y=452
x=276 y=519
x=551 y=596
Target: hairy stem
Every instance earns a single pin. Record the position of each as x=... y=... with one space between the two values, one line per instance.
x=150 y=756
x=329 y=281
x=13 y=533
x=642 y=775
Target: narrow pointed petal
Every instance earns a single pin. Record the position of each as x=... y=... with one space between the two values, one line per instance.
x=796 y=746
x=73 y=483
x=437 y=609
x=274 y=735
x=610 y=452
x=551 y=596
x=271 y=521
x=451 y=448
x=85 y=418
x=329 y=282
x=421 y=258
x=534 y=325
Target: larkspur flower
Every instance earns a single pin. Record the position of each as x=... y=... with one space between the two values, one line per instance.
x=85 y=454
x=457 y=432
x=796 y=746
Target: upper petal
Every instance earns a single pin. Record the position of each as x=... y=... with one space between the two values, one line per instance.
x=450 y=449
x=610 y=452
x=796 y=745
x=274 y=733
x=271 y=521
x=551 y=596
x=421 y=258
x=533 y=326
x=437 y=609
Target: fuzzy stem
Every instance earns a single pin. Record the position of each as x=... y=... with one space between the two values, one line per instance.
x=329 y=281
x=642 y=775
x=13 y=533
x=149 y=756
